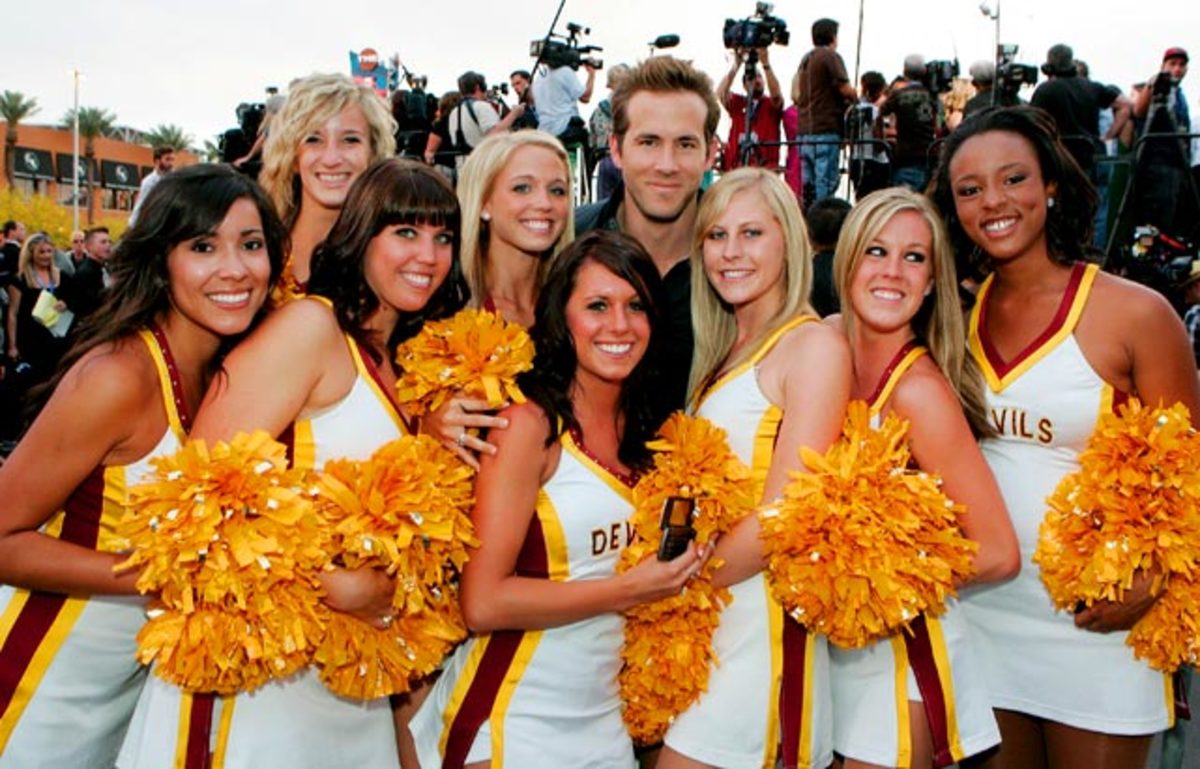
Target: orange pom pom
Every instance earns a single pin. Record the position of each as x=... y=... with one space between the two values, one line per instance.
x=476 y=352
x=668 y=650
x=231 y=545
x=1134 y=504
x=862 y=545
x=404 y=510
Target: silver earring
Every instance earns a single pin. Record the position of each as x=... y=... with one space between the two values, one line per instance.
x=1050 y=202
x=485 y=216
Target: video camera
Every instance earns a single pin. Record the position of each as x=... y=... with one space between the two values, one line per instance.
x=758 y=31
x=939 y=75
x=1158 y=261
x=564 y=50
x=1010 y=76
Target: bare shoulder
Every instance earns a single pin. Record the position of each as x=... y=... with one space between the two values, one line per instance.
x=924 y=390
x=1122 y=302
x=814 y=340
x=307 y=315
x=119 y=375
x=528 y=427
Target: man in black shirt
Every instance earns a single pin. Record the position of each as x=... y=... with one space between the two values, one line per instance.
x=665 y=118
x=916 y=115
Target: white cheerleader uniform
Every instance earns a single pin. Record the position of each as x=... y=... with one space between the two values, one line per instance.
x=293 y=723
x=69 y=675
x=533 y=698
x=933 y=662
x=1044 y=405
x=768 y=699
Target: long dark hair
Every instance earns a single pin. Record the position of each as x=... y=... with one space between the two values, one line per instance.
x=388 y=193
x=185 y=204
x=548 y=383
x=1068 y=223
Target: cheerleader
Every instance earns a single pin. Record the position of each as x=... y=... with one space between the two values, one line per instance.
x=189 y=277
x=917 y=699
x=319 y=375
x=329 y=130
x=1059 y=343
x=776 y=379
x=515 y=192
x=537 y=683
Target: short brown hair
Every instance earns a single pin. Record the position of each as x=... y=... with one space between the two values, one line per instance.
x=663 y=74
x=163 y=150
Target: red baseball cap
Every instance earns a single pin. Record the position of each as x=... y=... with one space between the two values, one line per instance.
x=1176 y=53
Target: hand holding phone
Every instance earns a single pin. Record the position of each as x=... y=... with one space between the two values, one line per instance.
x=677 y=529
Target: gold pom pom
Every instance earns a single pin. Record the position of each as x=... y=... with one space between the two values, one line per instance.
x=862 y=545
x=1134 y=504
x=404 y=510
x=231 y=546
x=475 y=351
x=668 y=650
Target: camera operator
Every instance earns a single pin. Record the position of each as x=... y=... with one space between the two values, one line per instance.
x=474 y=118
x=764 y=111
x=916 y=124
x=1163 y=164
x=1075 y=103
x=557 y=93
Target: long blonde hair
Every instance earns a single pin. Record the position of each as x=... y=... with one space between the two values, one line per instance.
x=712 y=319
x=25 y=266
x=310 y=102
x=939 y=323
x=475 y=186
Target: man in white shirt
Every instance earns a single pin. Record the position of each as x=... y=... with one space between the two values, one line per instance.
x=557 y=93
x=164 y=163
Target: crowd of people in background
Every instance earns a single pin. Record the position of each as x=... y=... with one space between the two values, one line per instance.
x=957 y=280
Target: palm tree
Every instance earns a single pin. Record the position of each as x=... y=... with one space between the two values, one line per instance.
x=211 y=151
x=14 y=107
x=93 y=122
x=168 y=135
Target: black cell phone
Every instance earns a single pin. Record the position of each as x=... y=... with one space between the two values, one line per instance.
x=677 y=529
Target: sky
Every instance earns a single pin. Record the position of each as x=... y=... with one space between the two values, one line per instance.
x=162 y=61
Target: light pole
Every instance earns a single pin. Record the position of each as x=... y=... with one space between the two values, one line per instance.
x=75 y=73
x=993 y=13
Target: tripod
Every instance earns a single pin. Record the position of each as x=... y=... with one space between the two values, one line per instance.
x=1178 y=161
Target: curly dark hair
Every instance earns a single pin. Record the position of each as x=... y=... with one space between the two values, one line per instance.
x=548 y=383
x=388 y=193
x=185 y=204
x=1068 y=223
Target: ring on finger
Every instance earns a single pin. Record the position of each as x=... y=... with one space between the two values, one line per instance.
x=461 y=440
x=386 y=620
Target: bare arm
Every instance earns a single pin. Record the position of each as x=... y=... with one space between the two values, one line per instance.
x=506 y=492
x=303 y=339
x=589 y=86
x=10 y=320
x=727 y=81
x=1122 y=109
x=95 y=411
x=942 y=443
x=813 y=365
x=773 y=89
x=432 y=144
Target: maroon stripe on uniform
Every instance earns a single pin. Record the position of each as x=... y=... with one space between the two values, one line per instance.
x=481 y=695
x=791 y=690
x=1120 y=398
x=1182 y=708
x=999 y=365
x=924 y=667
x=199 y=737
x=81 y=526
x=891 y=368
x=533 y=561
x=288 y=439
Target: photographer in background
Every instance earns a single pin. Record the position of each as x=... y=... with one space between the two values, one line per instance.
x=472 y=119
x=1160 y=180
x=915 y=110
x=519 y=80
x=557 y=93
x=1075 y=103
x=763 y=112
